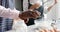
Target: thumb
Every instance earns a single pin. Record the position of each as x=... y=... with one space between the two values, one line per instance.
x=26 y=20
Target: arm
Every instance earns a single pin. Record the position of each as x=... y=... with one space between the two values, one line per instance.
x=14 y=14
x=35 y=6
x=52 y=5
x=8 y=13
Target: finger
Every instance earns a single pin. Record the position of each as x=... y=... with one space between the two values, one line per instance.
x=38 y=13
x=26 y=20
x=44 y=30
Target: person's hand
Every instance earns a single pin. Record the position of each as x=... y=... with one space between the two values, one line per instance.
x=29 y=14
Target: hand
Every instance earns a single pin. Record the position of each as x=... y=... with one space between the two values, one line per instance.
x=29 y=14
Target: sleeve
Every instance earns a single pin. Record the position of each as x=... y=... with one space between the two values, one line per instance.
x=35 y=1
x=8 y=13
x=45 y=9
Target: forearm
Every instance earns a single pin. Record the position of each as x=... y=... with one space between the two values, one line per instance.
x=52 y=5
x=8 y=13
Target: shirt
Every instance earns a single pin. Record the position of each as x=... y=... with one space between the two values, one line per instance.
x=7 y=22
x=8 y=13
x=18 y=26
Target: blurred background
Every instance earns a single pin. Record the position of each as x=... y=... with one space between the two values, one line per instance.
x=51 y=17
